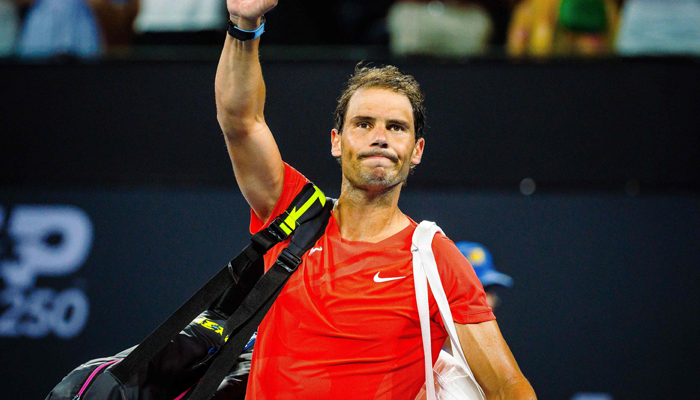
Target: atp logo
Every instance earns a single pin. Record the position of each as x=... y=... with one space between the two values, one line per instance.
x=48 y=241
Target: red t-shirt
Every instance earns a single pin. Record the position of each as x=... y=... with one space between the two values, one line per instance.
x=341 y=330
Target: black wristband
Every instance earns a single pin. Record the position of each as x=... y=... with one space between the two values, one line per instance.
x=244 y=35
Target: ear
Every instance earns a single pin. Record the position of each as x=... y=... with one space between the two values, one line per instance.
x=418 y=151
x=335 y=143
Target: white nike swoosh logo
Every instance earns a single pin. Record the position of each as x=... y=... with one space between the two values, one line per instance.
x=315 y=249
x=379 y=280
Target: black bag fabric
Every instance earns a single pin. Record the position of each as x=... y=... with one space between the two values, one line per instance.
x=203 y=350
x=169 y=376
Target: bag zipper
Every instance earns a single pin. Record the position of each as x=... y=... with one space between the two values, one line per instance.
x=91 y=377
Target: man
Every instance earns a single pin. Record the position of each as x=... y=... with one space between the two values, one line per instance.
x=346 y=324
x=482 y=261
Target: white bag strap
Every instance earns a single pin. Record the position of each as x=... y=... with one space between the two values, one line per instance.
x=421 y=285
x=424 y=266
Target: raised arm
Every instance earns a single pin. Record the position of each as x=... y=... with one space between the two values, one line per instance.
x=240 y=100
x=492 y=362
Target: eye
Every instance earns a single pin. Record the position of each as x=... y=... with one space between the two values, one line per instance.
x=363 y=125
x=396 y=128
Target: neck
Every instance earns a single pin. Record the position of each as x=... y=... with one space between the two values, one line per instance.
x=369 y=215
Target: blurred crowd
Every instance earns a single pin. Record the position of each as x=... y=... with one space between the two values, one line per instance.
x=436 y=28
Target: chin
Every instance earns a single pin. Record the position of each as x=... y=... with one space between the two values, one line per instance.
x=378 y=181
x=375 y=177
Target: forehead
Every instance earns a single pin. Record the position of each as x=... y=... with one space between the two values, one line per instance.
x=381 y=104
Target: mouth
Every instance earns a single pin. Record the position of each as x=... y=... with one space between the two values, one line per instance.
x=377 y=155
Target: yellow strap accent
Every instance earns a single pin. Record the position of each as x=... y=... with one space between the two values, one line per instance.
x=289 y=223
x=211 y=325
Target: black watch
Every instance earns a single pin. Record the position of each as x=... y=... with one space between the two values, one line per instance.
x=244 y=35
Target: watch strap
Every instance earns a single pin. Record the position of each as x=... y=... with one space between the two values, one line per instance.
x=242 y=34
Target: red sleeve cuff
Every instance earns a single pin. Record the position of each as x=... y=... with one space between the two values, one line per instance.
x=475 y=318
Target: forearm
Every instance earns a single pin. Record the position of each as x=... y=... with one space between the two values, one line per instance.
x=493 y=363
x=240 y=89
x=516 y=389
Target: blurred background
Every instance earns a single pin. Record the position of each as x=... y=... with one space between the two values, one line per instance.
x=563 y=136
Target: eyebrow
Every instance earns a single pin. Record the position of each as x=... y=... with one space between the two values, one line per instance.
x=364 y=118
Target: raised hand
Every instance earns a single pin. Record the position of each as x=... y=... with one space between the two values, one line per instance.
x=249 y=10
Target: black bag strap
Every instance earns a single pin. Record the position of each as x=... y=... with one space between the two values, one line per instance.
x=244 y=322
x=242 y=272
x=306 y=206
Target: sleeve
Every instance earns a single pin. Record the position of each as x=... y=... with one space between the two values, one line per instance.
x=294 y=181
x=463 y=289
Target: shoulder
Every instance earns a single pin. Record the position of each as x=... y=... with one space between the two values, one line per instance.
x=294 y=182
x=442 y=246
x=445 y=247
x=447 y=255
x=451 y=262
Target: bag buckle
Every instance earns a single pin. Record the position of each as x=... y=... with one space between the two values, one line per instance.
x=288 y=260
x=277 y=230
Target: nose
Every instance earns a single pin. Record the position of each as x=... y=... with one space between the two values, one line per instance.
x=380 y=136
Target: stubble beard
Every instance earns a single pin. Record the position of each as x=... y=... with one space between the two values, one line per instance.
x=378 y=179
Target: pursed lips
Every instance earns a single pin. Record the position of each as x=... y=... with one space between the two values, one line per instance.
x=375 y=154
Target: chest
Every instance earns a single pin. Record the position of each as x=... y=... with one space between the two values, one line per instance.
x=353 y=291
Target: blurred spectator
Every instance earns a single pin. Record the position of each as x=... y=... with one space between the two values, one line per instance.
x=9 y=26
x=656 y=27
x=83 y=28
x=451 y=28
x=437 y=28
x=116 y=20
x=181 y=22
x=59 y=27
x=482 y=261
x=543 y=28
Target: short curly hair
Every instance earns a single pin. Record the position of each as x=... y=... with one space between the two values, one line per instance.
x=385 y=77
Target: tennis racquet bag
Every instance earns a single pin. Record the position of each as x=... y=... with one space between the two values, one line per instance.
x=203 y=350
